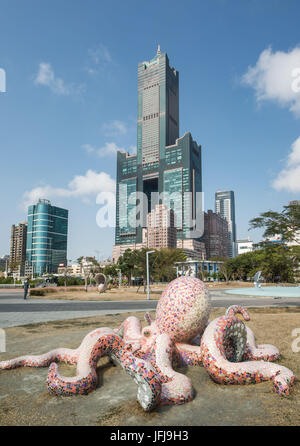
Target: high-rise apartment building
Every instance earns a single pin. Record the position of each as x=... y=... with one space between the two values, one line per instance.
x=18 y=239
x=166 y=168
x=46 y=237
x=215 y=235
x=225 y=206
x=161 y=232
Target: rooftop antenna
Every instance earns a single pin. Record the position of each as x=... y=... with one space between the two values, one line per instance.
x=158 y=50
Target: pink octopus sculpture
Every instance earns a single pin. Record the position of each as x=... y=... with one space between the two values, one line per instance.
x=180 y=335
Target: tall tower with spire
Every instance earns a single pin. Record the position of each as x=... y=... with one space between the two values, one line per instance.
x=158 y=108
x=164 y=162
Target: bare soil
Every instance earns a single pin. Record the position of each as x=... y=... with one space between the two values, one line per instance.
x=125 y=293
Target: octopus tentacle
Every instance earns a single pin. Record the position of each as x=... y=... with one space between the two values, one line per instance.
x=96 y=344
x=66 y=355
x=176 y=387
x=265 y=352
x=145 y=376
x=131 y=330
x=148 y=318
x=237 y=309
x=189 y=354
x=223 y=371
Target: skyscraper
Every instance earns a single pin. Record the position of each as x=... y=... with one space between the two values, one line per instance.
x=215 y=235
x=18 y=239
x=46 y=237
x=164 y=163
x=226 y=207
x=161 y=232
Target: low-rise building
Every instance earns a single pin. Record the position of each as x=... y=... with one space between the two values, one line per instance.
x=192 y=248
x=203 y=269
x=244 y=245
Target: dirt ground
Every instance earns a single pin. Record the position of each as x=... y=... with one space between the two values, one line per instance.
x=24 y=399
x=92 y=295
x=125 y=293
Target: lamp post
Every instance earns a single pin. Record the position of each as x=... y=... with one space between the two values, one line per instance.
x=147 y=263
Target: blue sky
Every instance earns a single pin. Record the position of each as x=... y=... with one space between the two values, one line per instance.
x=71 y=101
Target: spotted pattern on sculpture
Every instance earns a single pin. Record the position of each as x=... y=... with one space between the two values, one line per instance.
x=181 y=334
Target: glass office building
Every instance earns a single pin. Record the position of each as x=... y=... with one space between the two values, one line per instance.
x=225 y=206
x=164 y=162
x=47 y=236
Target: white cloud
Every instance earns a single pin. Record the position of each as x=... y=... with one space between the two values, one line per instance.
x=109 y=148
x=99 y=57
x=289 y=178
x=100 y=54
x=92 y=183
x=47 y=78
x=114 y=128
x=276 y=77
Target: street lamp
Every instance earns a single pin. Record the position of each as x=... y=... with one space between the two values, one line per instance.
x=147 y=263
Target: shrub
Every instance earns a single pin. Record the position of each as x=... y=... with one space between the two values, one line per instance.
x=37 y=292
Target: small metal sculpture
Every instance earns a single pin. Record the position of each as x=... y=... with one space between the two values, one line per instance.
x=101 y=282
x=257 y=278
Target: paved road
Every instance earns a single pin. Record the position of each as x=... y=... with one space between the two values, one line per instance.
x=15 y=311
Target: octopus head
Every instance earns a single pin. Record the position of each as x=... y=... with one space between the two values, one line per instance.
x=183 y=309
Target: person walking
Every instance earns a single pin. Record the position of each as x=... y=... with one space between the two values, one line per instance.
x=26 y=286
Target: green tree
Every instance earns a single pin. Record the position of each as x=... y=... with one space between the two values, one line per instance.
x=280 y=262
x=226 y=269
x=285 y=223
x=127 y=263
x=164 y=269
x=111 y=271
x=140 y=267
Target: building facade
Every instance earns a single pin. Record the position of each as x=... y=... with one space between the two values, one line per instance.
x=17 y=256
x=4 y=262
x=166 y=169
x=216 y=237
x=244 y=246
x=47 y=237
x=294 y=203
x=203 y=269
x=225 y=206
x=161 y=231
